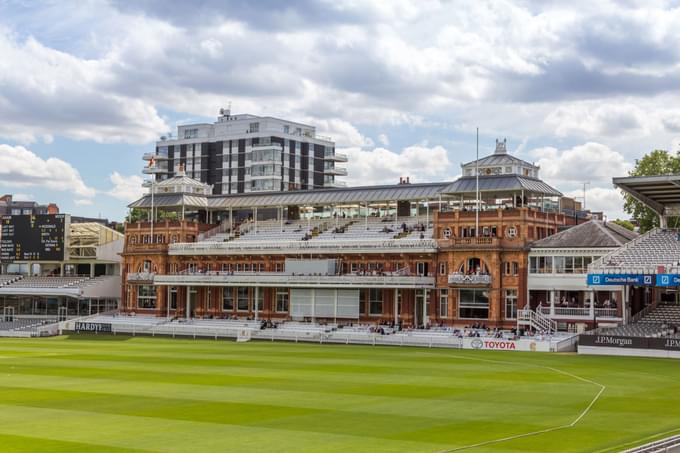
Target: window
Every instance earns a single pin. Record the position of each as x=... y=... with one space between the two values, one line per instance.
x=511 y=268
x=446 y=233
x=443 y=303
x=286 y=129
x=147 y=266
x=259 y=301
x=278 y=267
x=146 y=297
x=510 y=304
x=473 y=304
x=228 y=299
x=375 y=301
x=540 y=264
x=281 y=300
x=398 y=301
x=254 y=127
x=442 y=268
x=173 y=298
x=242 y=299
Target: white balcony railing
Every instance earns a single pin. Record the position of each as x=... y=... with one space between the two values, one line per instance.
x=469 y=279
x=222 y=248
x=581 y=312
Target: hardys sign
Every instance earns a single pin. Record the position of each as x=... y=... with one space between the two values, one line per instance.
x=621 y=279
x=92 y=327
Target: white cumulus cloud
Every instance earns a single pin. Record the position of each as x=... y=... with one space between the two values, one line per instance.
x=20 y=167
x=126 y=188
x=382 y=166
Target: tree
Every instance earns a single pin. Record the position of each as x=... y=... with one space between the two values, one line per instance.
x=658 y=162
x=627 y=224
x=142 y=215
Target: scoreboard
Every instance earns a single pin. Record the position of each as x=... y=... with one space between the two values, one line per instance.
x=32 y=237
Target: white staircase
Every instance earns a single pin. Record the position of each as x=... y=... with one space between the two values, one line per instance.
x=536 y=321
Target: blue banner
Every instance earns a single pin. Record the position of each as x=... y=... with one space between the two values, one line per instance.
x=620 y=279
x=667 y=280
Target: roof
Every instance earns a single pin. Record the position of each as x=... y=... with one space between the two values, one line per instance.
x=181 y=180
x=173 y=200
x=591 y=234
x=398 y=192
x=335 y=196
x=498 y=159
x=661 y=193
x=500 y=183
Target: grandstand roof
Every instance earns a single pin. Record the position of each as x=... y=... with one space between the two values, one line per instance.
x=396 y=192
x=592 y=234
x=661 y=193
x=500 y=183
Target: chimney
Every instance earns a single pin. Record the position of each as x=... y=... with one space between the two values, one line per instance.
x=52 y=208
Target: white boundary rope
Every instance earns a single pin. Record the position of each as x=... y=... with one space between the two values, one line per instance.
x=601 y=387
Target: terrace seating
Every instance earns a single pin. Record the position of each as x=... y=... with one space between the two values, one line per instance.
x=48 y=282
x=8 y=279
x=25 y=324
x=657 y=247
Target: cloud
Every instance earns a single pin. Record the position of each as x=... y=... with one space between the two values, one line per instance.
x=83 y=202
x=591 y=161
x=602 y=199
x=20 y=167
x=590 y=119
x=384 y=139
x=126 y=188
x=382 y=166
x=45 y=92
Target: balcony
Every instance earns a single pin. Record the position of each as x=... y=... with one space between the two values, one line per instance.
x=140 y=277
x=337 y=157
x=336 y=171
x=581 y=313
x=279 y=279
x=149 y=156
x=154 y=170
x=473 y=242
x=269 y=145
x=460 y=279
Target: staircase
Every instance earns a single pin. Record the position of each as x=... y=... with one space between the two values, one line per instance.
x=535 y=321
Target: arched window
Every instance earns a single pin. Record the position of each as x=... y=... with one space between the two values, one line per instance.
x=473 y=265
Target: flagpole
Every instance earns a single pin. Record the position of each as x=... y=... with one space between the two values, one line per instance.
x=152 y=164
x=477 y=187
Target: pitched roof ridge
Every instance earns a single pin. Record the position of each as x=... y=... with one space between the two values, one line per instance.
x=607 y=232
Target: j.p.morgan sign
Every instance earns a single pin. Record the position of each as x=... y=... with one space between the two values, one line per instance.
x=92 y=327
x=609 y=341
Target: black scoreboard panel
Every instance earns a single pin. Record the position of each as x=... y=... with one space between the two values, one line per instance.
x=32 y=237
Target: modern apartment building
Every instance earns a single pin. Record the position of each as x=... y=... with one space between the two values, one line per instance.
x=248 y=153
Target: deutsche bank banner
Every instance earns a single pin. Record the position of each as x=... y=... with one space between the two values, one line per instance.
x=621 y=279
x=668 y=280
x=92 y=327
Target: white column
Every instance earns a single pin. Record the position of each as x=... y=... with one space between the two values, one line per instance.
x=427 y=214
x=281 y=217
x=188 y=313
x=167 y=302
x=366 y=215
x=335 y=305
x=592 y=304
x=255 y=218
x=396 y=306
x=426 y=298
x=313 y=304
x=552 y=302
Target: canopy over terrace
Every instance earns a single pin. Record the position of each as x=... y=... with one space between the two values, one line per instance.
x=503 y=191
x=659 y=193
x=379 y=198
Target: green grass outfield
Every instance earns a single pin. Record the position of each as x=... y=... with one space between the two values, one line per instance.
x=119 y=394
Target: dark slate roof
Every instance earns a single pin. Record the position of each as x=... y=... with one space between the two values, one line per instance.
x=498 y=159
x=592 y=234
x=500 y=183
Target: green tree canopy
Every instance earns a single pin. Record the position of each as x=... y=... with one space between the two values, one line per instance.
x=658 y=162
x=625 y=223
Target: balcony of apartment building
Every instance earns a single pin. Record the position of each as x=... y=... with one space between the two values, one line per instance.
x=332 y=155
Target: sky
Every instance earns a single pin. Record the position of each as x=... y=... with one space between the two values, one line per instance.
x=581 y=88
